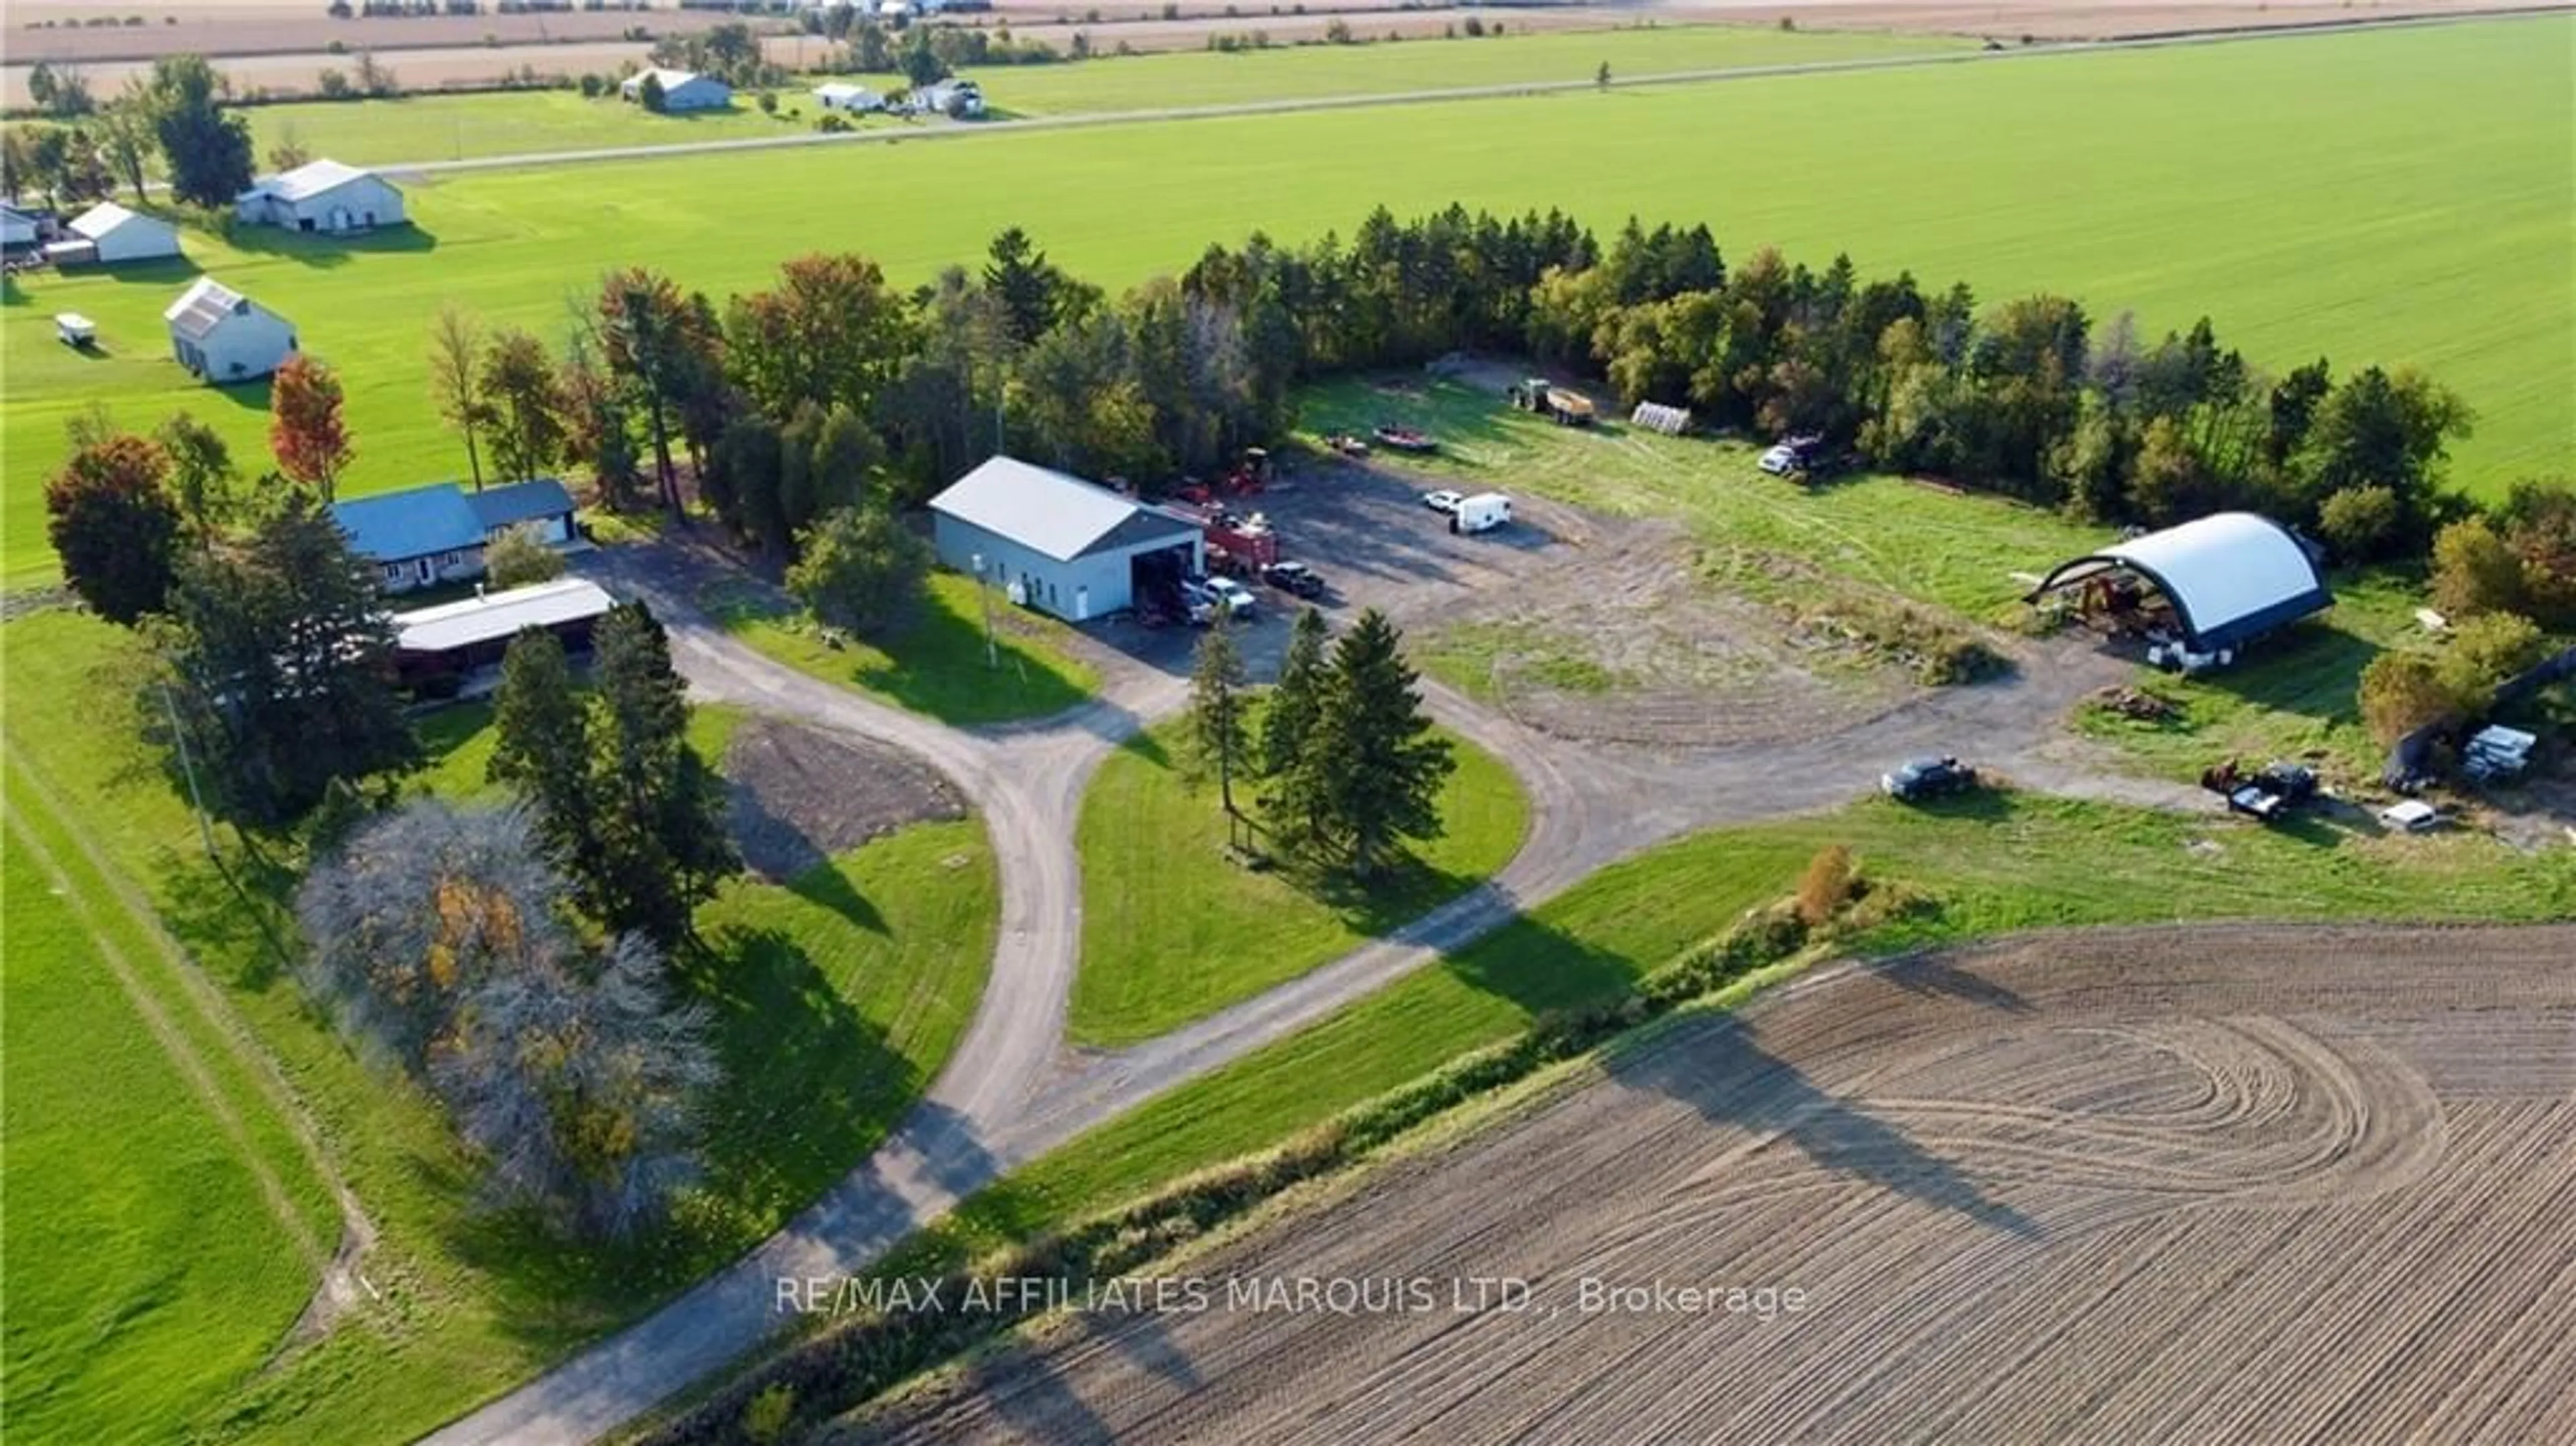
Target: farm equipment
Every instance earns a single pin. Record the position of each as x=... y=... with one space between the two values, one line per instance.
x=1346 y=444
x=2269 y=795
x=1235 y=542
x=1248 y=478
x=1565 y=408
x=1403 y=439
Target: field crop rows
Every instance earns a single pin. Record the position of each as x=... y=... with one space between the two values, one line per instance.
x=2428 y=227
x=2230 y=1184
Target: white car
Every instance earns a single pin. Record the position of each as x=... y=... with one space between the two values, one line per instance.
x=1442 y=501
x=1780 y=461
x=1234 y=597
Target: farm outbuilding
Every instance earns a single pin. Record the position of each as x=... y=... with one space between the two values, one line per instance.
x=2211 y=585
x=322 y=196
x=224 y=336
x=17 y=229
x=856 y=99
x=682 y=90
x=108 y=234
x=1060 y=544
x=949 y=97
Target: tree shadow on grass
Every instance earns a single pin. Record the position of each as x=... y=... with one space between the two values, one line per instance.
x=828 y=886
x=937 y=665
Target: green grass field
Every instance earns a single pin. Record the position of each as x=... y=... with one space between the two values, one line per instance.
x=937 y=664
x=1172 y=931
x=1995 y=863
x=150 y=1268
x=450 y=127
x=2426 y=227
x=837 y=998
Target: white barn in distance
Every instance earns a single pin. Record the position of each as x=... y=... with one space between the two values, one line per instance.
x=856 y=99
x=682 y=90
x=322 y=196
x=224 y=336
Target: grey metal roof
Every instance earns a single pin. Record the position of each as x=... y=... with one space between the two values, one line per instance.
x=417 y=522
x=1051 y=512
x=202 y=307
x=499 y=615
x=307 y=181
x=519 y=502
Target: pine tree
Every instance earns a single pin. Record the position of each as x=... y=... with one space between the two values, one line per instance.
x=281 y=659
x=1374 y=763
x=545 y=747
x=660 y=843
x=1217 y=738
x=1297 y=697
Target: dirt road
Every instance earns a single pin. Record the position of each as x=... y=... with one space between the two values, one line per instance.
x=2275 y=1184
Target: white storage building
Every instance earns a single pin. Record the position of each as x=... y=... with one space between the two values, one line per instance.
x=1059 y=544
x=322 y=196
x=841 y=95
x=2228 y=578
x=224 y=336
x=107 y=234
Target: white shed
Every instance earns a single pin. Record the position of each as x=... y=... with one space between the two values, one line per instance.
x=682 y=90
x=17 y=228
x=108 y=234
x=322 y=196
x=224 y=336
x=840 y=95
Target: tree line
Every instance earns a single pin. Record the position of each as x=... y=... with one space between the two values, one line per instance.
x=173 y=116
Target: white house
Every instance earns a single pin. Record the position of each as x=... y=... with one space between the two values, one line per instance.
x=322 y=196
x=681 y=90
x=950 y=97
x=224 y=336
x=108 y=234
x=840 y=95
x=17 y=228
x=437 y=533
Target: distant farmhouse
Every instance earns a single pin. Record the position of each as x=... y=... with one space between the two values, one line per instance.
x=322 y=196
x=682 y=90
x=224 y=336
x=950 y=97
x=107 y=234
x=434 y=534
x=840 y=95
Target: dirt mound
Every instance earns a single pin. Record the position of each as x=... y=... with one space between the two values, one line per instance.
x=800 y=795
x=2217 y=1184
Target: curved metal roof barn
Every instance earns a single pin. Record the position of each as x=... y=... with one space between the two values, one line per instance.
x=2231 y=576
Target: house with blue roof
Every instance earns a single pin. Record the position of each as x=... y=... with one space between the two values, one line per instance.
x=434 y=534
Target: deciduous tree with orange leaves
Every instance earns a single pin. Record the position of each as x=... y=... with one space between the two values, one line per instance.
x=305 y=426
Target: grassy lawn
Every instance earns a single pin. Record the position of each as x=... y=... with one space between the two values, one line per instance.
x=2427 y=227
x=1997 y=863
x=2296 y=697
x=838 y=998
x=1465 y=655
x=149 y=1271
x=937 y=665
x=1172 y=931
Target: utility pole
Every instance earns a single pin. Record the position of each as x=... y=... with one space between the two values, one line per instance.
x=984 y=596
x=188 y=767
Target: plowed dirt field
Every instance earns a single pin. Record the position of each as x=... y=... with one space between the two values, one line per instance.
x=2168 y=1185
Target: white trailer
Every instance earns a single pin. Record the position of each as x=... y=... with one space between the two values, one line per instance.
x=1483 y=512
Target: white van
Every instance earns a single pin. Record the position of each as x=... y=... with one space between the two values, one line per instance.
x=1483 y=512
